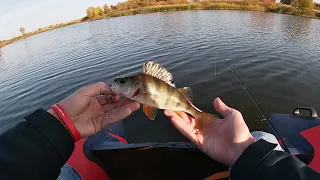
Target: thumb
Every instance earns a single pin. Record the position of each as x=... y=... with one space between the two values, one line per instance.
x=99 y=88
x=221 y=108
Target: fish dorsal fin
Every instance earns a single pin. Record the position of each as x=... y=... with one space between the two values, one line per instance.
x=187 y=92
x=156 y=70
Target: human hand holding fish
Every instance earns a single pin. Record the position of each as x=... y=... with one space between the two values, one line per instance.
x=224 y=140
x=93 y=107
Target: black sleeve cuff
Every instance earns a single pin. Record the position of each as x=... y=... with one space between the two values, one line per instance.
x=249 y=161
x=55 y=133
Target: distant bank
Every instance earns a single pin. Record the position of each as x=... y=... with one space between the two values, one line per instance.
x=128 y=8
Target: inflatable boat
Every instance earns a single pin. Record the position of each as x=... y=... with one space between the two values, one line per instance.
x=108 y=155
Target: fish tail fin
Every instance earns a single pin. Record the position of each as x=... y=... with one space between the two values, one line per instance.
x=203 y=119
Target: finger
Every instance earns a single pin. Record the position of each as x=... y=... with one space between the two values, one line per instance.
x=189 y=121
x=185 y=130
x=120 y=113
x=180 y=114
x=170 y=113
x=96 y=89
x=221 y=108
x=104 y=99
x=109 y=98
x=115 y=98
x=186 y=117
x=101 y=99
x=110 y=106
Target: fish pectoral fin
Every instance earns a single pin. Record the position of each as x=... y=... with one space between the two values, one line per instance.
x=187 y=92
x=150 y=112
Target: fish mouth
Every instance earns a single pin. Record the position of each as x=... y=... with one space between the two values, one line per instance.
x=114 y=87
x=110 y=83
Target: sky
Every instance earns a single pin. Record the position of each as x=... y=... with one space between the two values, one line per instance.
x=33 y=14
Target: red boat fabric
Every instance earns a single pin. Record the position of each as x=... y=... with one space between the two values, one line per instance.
x=312 y=135
x=87 y=169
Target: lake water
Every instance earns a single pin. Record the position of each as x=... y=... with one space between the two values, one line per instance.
x=277 y=56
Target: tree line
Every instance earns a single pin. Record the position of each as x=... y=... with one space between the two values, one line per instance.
x=300 y=4
x=98 y=12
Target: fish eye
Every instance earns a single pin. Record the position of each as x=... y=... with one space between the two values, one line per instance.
x=122 y=80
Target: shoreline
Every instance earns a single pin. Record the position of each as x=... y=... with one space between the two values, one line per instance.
x=239 y=6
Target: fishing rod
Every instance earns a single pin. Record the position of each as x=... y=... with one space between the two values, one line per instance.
x=259 y=107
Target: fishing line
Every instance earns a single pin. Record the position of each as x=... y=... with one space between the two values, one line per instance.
x=259 y=107
x=215 y=68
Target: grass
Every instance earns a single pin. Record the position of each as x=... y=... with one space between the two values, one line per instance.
x=184 y=7
x=227 y=6
x=291 y=11
x=204 y=5
x=235 y=5
x=152 y=9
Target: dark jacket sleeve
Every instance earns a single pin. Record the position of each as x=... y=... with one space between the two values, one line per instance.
x=261 y=161
x=35 y=149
